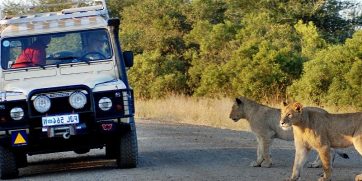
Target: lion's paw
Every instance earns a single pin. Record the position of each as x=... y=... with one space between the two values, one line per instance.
x=266 y=164
x=254 y=164
x=314 y=165
x=324 y=179
x=290 y=179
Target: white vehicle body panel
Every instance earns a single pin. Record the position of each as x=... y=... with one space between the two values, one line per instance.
x=98 y=77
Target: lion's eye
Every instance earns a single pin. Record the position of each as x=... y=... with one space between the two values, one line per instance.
x=289 y=115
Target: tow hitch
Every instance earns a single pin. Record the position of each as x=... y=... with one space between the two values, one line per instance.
x=65 y=131
x=61 y=131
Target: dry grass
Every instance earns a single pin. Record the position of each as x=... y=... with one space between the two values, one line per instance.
x=201 y=111
x=189 y=110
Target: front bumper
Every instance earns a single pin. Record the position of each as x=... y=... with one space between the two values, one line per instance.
x=39 y=141
x=94 y=129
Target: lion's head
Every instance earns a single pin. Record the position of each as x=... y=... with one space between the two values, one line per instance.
x=237 y=111
x=290 y=114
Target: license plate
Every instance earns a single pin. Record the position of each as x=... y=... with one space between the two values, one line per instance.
x=60 y=120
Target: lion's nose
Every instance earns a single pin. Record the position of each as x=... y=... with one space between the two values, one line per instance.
x=234 y=119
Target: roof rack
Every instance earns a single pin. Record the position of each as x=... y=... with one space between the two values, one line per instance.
x=96 y=10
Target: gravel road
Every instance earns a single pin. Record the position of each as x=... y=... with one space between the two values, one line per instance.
x=171 y=151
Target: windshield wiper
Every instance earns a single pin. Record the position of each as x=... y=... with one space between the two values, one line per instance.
x=42 y=66
x=87 y=61
x=66 y=58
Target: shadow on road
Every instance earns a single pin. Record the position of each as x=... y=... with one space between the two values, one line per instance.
x=183 y=152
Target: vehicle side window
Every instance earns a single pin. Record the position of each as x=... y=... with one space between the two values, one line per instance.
x=12 y=49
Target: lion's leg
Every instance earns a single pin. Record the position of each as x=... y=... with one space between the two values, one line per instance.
x=300 y=158
x=267 y=162
x=324 y=154
x=317 y=163
x=357 y=143
x=259 y=155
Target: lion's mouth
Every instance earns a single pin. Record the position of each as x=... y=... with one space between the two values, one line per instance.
x=285 y=126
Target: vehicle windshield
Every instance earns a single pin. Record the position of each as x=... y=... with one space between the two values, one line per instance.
x=55 y=49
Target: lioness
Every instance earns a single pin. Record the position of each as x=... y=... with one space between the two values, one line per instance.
x=264 y=123
x=320 y=131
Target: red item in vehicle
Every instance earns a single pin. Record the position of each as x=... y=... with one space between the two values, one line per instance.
x=31 y=56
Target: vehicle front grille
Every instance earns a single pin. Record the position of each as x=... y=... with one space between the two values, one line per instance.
x=59 y=98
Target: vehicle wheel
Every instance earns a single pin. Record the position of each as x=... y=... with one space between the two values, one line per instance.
x=21 y=160
x=8 y=167
x=111 y=150
x=128 y=152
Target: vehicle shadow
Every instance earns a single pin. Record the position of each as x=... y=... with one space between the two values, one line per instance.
x=73 y=163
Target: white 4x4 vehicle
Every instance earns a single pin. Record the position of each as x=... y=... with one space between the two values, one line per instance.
x=64 y=87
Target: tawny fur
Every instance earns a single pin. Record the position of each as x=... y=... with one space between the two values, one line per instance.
x=321 y=131
x=264 y=123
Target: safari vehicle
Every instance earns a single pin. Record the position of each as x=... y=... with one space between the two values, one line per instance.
x=76 y=99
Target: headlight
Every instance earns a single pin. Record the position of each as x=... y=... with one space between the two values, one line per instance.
x=77 y=100
x=42 y=103
x=105 y=103
x=16 y=113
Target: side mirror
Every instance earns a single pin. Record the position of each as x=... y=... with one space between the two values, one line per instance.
x=114 y=22
x=128 y=58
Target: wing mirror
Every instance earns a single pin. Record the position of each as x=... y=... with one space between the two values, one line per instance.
x=128 y=58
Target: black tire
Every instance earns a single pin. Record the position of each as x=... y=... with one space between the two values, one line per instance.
x=21 y=160
x=8 y=167
x=128 y=149
x=111 y=150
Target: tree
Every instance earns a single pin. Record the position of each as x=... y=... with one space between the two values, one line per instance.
x=156 y=34
x=267 y=59
x=333 y=77
x=333 y=27
x=311 y=41
x=14 y=8
x=214 y=44
x=116 y=7
x=325 y=14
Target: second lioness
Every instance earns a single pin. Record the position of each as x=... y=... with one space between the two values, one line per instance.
x=264 y=123
x=320 y=131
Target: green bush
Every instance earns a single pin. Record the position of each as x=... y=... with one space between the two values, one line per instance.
x=334 y=76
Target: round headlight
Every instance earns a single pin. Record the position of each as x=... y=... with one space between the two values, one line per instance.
x=42 y=103
x=105 y=103
x=17 y=113
x=77 y=100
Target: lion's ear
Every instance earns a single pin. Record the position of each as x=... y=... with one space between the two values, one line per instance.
x=238 y=101
x=298 y=106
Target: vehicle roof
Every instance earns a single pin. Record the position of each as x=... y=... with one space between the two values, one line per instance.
x=66 y=20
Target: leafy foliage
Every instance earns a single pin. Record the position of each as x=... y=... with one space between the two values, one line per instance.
x=157 y=35
x=334 y=76
x=263 y=49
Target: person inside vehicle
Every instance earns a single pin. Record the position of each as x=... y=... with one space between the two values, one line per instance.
x=34 y=55
x=95 y=47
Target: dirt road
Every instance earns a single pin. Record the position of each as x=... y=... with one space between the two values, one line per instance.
x=183 y=152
